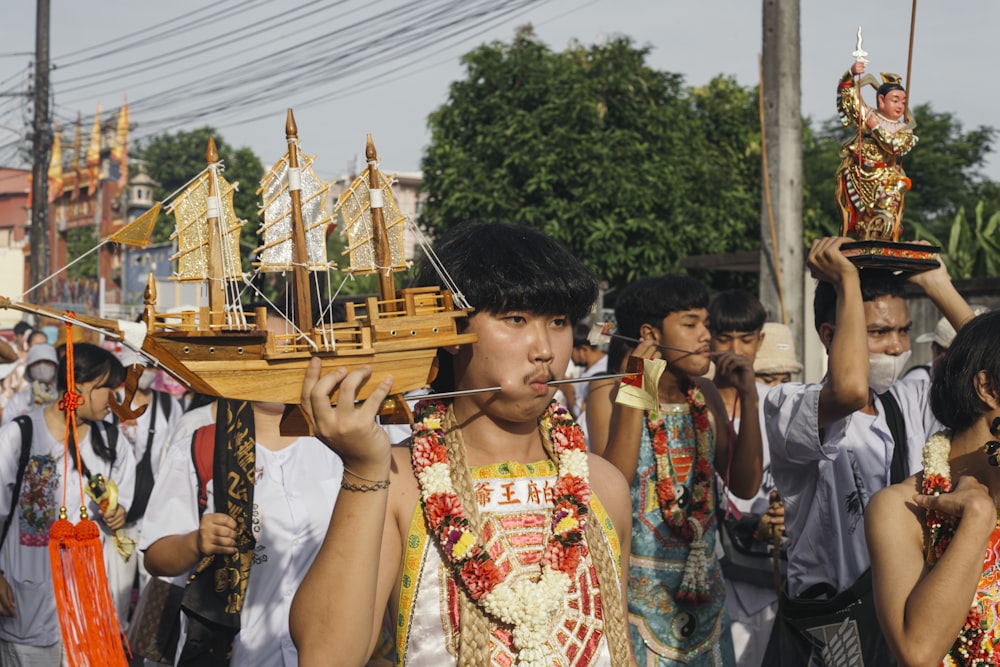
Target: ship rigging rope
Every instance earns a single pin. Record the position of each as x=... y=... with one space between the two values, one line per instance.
x=446 y=279
x=61 y=270
x=233 y=307
x=263 y=296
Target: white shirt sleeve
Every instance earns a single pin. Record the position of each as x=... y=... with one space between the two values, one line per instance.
x=173 y=504
x=791 y=419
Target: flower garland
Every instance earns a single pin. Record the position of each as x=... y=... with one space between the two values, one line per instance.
x=974 y=646
x=687 y=517
x=527 y=607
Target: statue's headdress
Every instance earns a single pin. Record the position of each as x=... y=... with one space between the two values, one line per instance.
x=890 y=82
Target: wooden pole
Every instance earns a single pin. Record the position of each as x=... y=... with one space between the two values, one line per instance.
x=782 y=259
x=41 y=144
x=909 y=59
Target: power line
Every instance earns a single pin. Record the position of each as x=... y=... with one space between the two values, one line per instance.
x=296 y=57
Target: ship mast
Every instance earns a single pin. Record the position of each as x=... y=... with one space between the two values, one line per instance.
x=300 y=252
x=380 y=236
x=216 y=290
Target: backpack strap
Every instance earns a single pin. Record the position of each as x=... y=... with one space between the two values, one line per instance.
x=203 y=456
x=897 y=427
x=166 y=403
x=111 y=431
x=24 y=421
x=144 y=473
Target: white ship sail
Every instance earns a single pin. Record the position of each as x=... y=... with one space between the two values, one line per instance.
x=355 y=206
x=193 y=209
x=276 y=252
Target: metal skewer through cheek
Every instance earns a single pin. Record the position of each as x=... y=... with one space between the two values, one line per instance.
x=484 y=390
x=687 y=353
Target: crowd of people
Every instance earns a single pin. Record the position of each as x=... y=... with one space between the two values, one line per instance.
x=705 y=509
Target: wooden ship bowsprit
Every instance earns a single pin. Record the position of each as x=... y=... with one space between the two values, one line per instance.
x=221 y=350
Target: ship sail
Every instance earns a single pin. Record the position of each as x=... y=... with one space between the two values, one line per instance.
x=355 y=206
x=192 y=210
x=276 y=252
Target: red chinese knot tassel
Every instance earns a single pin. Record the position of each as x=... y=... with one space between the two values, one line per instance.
x=91 y=631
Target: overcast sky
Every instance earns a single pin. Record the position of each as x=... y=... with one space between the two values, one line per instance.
x=387 y=85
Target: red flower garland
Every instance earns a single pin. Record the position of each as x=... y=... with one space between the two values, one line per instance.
x=701 y=502
x=448 y=522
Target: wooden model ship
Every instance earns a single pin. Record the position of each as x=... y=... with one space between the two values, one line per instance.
x=221 y=350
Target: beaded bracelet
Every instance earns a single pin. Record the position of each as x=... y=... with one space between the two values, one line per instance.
x=373 y=485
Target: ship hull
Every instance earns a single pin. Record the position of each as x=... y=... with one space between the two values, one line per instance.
x=239 y=366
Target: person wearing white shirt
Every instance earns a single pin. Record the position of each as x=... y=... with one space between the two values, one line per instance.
x=297 y=482
x=593 y=361
x=831 y=443
x=29 y=625
x=147 y=435
x=41 y=367
x=736 y=321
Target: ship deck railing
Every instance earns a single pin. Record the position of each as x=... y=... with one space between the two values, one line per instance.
x=344 y=336
x=411 y=301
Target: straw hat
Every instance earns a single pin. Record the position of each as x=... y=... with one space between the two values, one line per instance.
x=944 y=333
x=777 y=352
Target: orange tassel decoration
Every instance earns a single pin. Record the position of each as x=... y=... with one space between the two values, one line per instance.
x=91 y=631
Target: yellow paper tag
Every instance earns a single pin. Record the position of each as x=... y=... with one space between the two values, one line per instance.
x=645 y=397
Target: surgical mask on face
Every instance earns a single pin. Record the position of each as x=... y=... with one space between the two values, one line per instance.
x=42 y=372
x=884 y=369
x=146 y=380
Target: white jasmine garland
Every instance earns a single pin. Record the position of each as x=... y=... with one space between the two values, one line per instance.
x=936 y=453
x=575 y=463
x=528 y=607
x=435 y=478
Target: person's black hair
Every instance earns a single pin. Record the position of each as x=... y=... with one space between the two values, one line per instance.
x=650 y=300
x=21 y=328
x=581 y=335
x=874 y=284
x=91 y=362
x=953 y=394
x=736 y=310
x=501 y=267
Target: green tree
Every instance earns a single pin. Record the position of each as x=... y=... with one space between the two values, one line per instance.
x=174 y=159
x=79 y=241
x=619 y=161
x=970 y=249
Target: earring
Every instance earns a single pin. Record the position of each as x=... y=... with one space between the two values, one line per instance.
x=992 y=448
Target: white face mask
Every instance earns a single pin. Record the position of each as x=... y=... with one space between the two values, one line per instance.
x=146 y=379
x=43 y=372
x=884 y=369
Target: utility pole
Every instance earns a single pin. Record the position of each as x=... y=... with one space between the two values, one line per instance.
x=781 y=262
x=41 y=145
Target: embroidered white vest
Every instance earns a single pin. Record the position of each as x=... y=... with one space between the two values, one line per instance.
x=516 y=505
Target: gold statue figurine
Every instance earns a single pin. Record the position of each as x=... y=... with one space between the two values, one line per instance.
x=870 y=180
